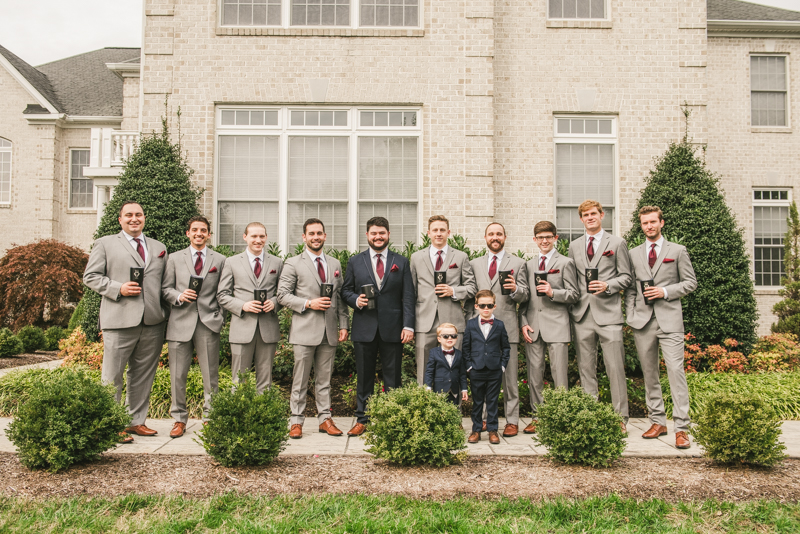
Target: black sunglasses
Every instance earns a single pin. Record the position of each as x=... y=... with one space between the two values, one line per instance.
x=485 y=306
x=449 y=336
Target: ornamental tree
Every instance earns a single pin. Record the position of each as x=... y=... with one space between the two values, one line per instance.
x=788 y=310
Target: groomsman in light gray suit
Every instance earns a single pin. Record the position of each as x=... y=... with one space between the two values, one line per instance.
x=437 y=304
x=487 y=271
x=319 y=323
x=131 y=316
x=255 y=331
x=598 y=313
x=195 y=319
x=667 y=271
x=545 y=318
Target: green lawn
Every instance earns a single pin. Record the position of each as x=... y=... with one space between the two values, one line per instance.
x=331 y=513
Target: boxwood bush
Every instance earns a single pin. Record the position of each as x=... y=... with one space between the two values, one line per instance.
x=576 y=429
x=67 y=418
x=412 y=426
x=32 y=338
x=10 y=345
x=739 y=428
x=52 y=336
x=245 y=427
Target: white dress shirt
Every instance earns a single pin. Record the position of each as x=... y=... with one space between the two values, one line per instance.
x=373 y=256
x=434 y=252
x=596 y=242
x=321 y=257
x=491 y=255
x=135 y=245
x=547 y=258
x=252 y=257
x=202 y=253
x=658 y=244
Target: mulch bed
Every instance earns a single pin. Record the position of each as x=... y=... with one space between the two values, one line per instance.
x=673 y=480
x=28 y=359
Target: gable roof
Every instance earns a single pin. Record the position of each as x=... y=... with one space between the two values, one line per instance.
x=37 y=79
x=738 y=10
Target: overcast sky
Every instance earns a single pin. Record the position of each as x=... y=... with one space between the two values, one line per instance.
x=40 y=31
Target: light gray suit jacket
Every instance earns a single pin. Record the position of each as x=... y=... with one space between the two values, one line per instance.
x=673 y=271
x=183 y=317
x=109 y=267
x=459 y=277
x=613 y=262
x=549 y=317
x=236 y=288
x=300 y=283
x=506 y=309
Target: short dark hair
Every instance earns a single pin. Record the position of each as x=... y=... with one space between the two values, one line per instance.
x=313 y=220
x=492 y=224
x=485 y=293
x=198 y=218
x=127 y=203
x=378 y=221
x=644 y=210
x=544 y=226
x=434 y=218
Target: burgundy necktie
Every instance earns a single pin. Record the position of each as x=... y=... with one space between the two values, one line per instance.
x=541 y=264
x=257 y=270
x=652 y=258
x=198 y=265
x=379 y=266
x=487 y=321
x=439 y=261
x=590 y=250
x=493 y=267
x=320 y=270
x=139 y=248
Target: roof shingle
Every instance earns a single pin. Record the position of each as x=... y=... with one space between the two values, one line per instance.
x=738 y=10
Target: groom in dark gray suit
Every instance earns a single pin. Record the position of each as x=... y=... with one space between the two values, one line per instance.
x=131 y=316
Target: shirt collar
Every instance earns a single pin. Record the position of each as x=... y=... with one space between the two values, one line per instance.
x=499 y=255
x=597 y=237
x=202 y=251
x=548 y=256
x=131 y=238
x=435 y=251
x=252 y=256
x=314 y=257
x=373 y=253
x=658 y=243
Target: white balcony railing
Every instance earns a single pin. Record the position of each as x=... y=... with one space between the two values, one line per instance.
x=123 y=144
x=110 y=148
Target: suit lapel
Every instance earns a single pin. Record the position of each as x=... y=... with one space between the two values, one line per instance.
x=249 y=269
x=127 y=246
x=601 y=248
x=581 y=259
x=660 y=259
x=208 y=263
x=428 y=263
x=311 y=267
x=368 y=261
x=448 y=259
x=187 y=256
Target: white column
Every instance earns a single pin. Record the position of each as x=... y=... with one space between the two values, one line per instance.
x=102 y=200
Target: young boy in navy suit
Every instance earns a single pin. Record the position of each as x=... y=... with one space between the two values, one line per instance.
x=447 y=370
x=486 y=350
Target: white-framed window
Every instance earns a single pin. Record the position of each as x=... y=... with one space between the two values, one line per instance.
x=768 y=91
x=770 y=211
x=342 y=165
x=585 y=168
x=5 y=171
x=577 y=9
x=81 y=190
x=321 y=13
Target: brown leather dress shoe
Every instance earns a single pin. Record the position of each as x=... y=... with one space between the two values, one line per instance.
x=475 y=437
x=624 y=429
x=510 y=430
x=682 y=440
x=140 y=430
x=329 y=428
x=483 y=428
x=357 y=429
x=654 y=431
x=296 y=432
x=494 y=439
x=531 y=428
x=178 y=429
x=124 y=437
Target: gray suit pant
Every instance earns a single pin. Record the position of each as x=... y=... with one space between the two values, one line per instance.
x=245 y=355
x=510 y=387
x=139 y=348
x=424 y=342
x=587 y=334
x=559 y=361
x=321 y=357
x=206 y=343
x=647 y=340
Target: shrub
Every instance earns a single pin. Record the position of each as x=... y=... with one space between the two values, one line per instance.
x=77 y=315
x=736 y=428
x=788 y=309
x=10 y=345
x=245 y=428
x=412 y=426
x=723 y=306
x=68 y=418
x=52 y=336
x=32 y=338
x=78 y=350
x=40 y=283
x=778 y=352
x=576 y=429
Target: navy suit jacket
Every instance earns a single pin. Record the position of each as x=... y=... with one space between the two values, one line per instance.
x=395 y=300
x=439 y=376
x=491 y=352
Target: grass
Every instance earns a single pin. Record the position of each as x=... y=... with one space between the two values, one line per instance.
x=352 y=513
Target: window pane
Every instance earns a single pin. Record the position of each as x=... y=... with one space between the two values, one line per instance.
x=402 y=221
x=389 y=13
x=580 y=9
x=334 y=215
x=251 y=12
x=769 y=231
x=316 y=13
x=584 y=171
x=249 y=167
x=387 y=168
x=235 y=216
x=768 y=109
x=81 y=191
x=318 y=168
x=5 y=171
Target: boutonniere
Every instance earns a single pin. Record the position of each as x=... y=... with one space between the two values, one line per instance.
x=512 y=271
x=212 y=270
x=163 y=253
x=336 y=274
x=668 y=260
x=394 y=269
x=608 y=253
x=454 y=266
x=273 y=271
x=553 y=271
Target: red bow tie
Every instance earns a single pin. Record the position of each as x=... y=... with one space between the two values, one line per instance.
x=487 y=321
x=449 y=352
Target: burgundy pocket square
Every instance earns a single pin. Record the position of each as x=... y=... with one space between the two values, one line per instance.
x=454 y=266
x=608 y=253
x=669 y=260
x=163 y=253
x=212 y=270
x=394 y=269
x=336 y=274
x=273 y=271
x=553 y=271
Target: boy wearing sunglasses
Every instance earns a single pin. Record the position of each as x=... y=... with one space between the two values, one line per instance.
x=486 y=350
x=447 y=370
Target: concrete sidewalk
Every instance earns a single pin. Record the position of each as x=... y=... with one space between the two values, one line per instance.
x=313 y=442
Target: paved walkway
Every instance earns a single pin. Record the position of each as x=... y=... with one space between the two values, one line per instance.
x=313 y=442
x=52 y=364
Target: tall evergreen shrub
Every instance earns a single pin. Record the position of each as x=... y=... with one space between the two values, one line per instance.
x=158 y=177
x=724 y=305
x=788 y=310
